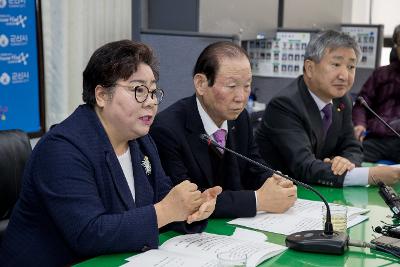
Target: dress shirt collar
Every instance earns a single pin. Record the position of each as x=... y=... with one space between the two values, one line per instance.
x=320 y=103
x=208 y=123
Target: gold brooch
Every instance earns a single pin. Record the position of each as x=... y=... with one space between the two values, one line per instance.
x=146 y=165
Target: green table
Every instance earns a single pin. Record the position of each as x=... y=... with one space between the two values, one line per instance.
x=363 y=197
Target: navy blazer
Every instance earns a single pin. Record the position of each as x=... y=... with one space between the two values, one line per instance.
x=176 y=131
x=75 y=201
x=291 y=136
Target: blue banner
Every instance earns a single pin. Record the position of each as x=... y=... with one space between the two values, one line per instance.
x=19 y=66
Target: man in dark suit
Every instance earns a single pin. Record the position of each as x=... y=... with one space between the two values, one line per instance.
x=307 y=131
x=222 y=78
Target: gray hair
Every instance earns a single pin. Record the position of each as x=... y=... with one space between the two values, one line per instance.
x=331 y=39
x=396 y=35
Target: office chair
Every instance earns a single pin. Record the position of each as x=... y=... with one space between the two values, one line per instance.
x=15 y=150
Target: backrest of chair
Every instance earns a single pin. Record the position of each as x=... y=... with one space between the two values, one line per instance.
x=15 y=150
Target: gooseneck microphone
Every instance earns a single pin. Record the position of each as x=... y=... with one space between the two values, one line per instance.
x=320 y=241
x=365 y=104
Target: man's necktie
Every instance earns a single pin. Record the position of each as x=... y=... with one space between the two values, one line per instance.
x=220 y=138
x=327 y=119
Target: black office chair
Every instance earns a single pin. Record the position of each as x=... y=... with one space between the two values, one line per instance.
x=15 y=150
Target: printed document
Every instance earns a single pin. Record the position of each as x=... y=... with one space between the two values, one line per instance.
x=201 y=250
x=304 y=215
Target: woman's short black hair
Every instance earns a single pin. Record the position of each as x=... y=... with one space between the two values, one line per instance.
x=114 y=61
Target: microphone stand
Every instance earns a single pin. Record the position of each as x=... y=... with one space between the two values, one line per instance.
x=364 y=103
x=319 y=241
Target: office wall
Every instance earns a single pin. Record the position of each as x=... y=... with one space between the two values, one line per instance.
x=313 y=13
x=360 y=11
x=72 y=30
x=177 y=15
x=373 y=12
x=229 y=16
x=255 y=16
x=387 y=14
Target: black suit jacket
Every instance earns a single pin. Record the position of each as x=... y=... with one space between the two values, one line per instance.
x=183 y=155
x=75 y=201
x=291 y=136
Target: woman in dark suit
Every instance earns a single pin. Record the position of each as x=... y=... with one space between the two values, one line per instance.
x=94 y=183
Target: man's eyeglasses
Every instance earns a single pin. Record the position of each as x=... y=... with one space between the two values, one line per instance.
x=142 y=92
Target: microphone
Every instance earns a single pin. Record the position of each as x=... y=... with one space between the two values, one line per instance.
x=364 y=103
x=320 y=241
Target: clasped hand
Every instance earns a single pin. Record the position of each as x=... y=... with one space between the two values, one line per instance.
x=277 y=195
x=209 y=198
x=186 y=203
x=340 y=165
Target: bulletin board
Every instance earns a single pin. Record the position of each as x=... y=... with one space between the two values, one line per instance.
x=370 y=40
x=280 y=56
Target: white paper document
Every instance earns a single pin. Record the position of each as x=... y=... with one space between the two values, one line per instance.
x=304 y=215
x=202 y=249
x=249 y=235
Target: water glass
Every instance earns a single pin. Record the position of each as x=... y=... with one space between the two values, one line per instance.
x=338 y=216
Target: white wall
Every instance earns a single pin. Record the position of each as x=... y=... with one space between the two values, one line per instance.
x=347 y=11
x=72 y=30
x=360 y=11
x=313 y=13
x=373 y=12
x=229 y=16
x=386 y=12
x=254 y=16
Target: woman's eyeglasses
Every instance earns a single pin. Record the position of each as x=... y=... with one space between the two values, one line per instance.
x=141 y=93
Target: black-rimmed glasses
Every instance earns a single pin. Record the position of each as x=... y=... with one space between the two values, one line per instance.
x=142 y=92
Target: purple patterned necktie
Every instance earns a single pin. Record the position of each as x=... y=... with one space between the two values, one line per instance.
x=327 y=119
x=219 y=137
